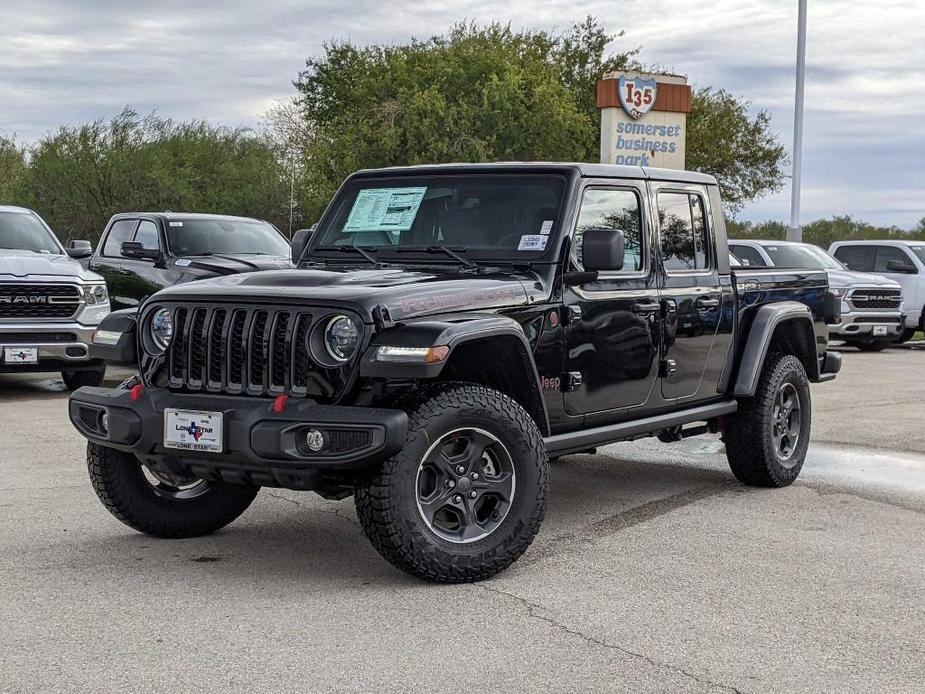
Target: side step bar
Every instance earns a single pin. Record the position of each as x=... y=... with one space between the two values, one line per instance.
x=577 y=441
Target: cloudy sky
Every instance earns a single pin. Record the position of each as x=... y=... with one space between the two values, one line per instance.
x=64 y=62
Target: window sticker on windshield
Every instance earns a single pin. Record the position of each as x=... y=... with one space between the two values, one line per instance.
x=773 y=248
x=532 y=242
x=546 y=227
x=176 y=224
x=182 y=262
x=384 y=209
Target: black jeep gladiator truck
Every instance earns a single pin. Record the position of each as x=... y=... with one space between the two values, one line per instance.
x=447 y=331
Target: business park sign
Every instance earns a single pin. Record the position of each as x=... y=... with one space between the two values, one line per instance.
x=643 y=119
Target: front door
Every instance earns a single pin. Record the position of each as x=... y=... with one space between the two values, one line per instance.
x=142 y=276
x=108 y=262
x=691 y=294
x=613 y=323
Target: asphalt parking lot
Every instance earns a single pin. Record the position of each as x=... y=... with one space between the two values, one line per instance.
x=654 y=572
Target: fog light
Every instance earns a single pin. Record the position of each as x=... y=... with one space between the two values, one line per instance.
x=104 y=423
x=314 y=439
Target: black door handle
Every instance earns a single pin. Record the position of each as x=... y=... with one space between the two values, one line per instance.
x=646 y=307
x=704 y=302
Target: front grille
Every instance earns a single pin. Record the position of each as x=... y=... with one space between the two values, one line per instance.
x=248 y=350
x=22 y=300
x=876 y=298
x=35 y=338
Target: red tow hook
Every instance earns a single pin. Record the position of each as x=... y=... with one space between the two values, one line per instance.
x=135 y=392
x=280 y=403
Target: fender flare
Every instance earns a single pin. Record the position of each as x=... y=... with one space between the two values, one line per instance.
x=452 y=331
x=761 y=332
x=118 y=329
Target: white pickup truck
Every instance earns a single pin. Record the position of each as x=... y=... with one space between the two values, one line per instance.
x=49 y=304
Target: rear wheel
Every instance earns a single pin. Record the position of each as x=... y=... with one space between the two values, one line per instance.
x=160 y=504
x=767 y=438
x=467 y=493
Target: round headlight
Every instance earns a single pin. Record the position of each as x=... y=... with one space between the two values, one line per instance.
x=162 y=328
x=341 y=338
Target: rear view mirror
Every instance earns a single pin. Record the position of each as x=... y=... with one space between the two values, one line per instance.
x=299 y=242
x=79 y=249
x=900 y=266
x=603 y=249
x=135 y=249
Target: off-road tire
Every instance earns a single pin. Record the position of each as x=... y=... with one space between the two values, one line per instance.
x=83 y=377
x=119 y=482
x=750 y=444
x=386 y=502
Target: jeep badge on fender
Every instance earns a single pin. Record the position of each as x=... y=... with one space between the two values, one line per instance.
x=408 y=359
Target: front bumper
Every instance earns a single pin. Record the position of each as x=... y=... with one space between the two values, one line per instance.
x=862 y=324
x=261 y=445
x=60 y=345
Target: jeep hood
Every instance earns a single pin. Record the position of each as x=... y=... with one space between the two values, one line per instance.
x=33 y=267
x=405 y=291
x=849 y=278
x=229 y=264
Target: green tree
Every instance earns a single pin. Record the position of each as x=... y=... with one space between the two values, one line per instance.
x=81 y=175
x=823 y=232
x=489 y=93
x=739 y=149
x=12 y=168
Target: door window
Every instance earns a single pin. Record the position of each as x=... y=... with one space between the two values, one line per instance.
x=610 y=208
x=119 y=232
x=748 y=255
x=683 y=232
x=857 y=258
x=146 y=235
x=887 y=253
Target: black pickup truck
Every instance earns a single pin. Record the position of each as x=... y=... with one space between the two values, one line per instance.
x=449 y=329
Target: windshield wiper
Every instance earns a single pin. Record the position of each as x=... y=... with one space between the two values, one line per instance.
x=365 y=251
x=446 y=250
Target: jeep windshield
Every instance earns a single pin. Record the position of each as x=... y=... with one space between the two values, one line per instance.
x=482 y=216
x=23 y=231
x=224 y=237
x=805 y=257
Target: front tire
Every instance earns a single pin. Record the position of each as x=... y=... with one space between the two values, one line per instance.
x=159 y=505
x=466 y=495
x=767 y=438
x=84 y=377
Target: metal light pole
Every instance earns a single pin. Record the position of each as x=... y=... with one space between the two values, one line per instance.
x=291 y=189
x=795 y=233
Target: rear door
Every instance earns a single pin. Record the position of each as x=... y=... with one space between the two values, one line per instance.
x=690 y=290
x=613 y=324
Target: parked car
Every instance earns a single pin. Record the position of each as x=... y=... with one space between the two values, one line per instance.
x=871 y=306
x=142 y=252
x=900 y=261
x=49 y=304
x=448 y=329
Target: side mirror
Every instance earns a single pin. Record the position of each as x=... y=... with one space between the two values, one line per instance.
x=79 y=249
x=603 y=249
x=300 y=240
x=135 y=249
x=900 y=266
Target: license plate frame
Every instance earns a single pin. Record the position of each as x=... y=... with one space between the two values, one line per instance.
x=194 y=430
x=20 y=355
x=879 y=331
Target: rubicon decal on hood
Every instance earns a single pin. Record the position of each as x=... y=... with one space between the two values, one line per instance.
x=454 y=299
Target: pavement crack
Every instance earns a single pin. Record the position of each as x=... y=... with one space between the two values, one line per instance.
x=335 y=511
x=284 y=498
x=534 y=612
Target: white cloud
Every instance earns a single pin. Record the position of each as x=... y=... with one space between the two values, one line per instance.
x=63 y=62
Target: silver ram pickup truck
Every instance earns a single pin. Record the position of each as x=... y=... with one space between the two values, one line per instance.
x=50 y=304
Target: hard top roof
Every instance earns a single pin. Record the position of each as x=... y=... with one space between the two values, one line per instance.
x=583 y=169
x=185 y=215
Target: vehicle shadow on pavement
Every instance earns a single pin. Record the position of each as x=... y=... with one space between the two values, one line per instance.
x=297 y=537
